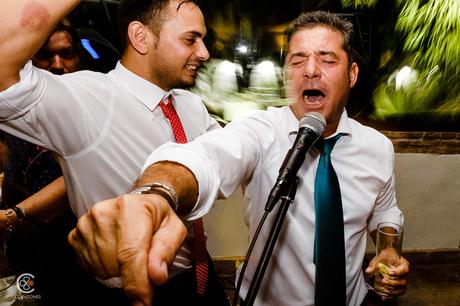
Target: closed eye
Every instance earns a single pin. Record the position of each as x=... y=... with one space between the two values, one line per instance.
x=190 y=41
x=297 y=60
x=328 y=57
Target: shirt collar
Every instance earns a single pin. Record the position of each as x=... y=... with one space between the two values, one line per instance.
x=293 y=122
x=343 y=127
x=146 y=92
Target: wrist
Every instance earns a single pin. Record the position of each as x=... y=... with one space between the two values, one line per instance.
x=20 y=213
x=10 y=219
x=162 y=190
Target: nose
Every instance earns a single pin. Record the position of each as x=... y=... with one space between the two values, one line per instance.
x=57 y=63
x=311 y=68
x=202 y=51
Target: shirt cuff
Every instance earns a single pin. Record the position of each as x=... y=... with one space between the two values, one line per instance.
x=199 y=165
x=393 y=215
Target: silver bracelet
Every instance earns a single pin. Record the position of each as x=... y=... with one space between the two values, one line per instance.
x=162 y=190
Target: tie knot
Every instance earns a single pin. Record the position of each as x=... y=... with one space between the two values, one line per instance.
x=328 y=144
x=170 y=113
x=168 y=109
x=166 y=103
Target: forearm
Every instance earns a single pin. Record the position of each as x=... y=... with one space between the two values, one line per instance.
x=47 y=203
x=26 y=25
x=176 y=176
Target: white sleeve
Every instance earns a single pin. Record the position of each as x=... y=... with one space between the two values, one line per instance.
x=20 y=97
x=220 y=160
x=52 y=110
x=386 y=209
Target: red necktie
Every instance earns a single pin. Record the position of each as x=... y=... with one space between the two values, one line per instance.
x=199 y=245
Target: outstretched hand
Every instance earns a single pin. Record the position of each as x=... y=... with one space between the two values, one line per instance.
x=133 y=236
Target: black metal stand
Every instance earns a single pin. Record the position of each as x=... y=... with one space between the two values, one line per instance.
x=270 y=244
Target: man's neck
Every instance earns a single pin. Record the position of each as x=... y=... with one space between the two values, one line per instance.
x=136 y=64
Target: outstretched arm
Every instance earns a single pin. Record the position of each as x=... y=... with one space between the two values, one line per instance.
x=45 y=204
x=26 y=25
x=137 y=236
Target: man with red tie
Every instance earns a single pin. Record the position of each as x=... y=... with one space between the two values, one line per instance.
x=103 y=126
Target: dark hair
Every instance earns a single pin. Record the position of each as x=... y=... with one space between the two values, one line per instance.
x=321 y=18
x=148 y=12
x=66 y=26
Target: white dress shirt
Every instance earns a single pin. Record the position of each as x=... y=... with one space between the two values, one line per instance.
x=102 y=127
x=250 y=151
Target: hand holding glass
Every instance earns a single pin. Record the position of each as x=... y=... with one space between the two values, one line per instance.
x=389 y=243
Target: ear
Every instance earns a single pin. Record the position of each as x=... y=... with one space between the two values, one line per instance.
x=138 y=35
x=354 y=70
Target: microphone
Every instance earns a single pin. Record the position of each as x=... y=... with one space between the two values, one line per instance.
x=311 y=127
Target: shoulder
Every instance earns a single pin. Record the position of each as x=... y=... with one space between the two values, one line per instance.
x=273 y=123
x=186 y=95
x=370 y=141
x=85 y=77
x=88 y=87
x=271 y=116
x=189 y=100
x=368 y=134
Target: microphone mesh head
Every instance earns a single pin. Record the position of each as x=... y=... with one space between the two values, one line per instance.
x=314 y=121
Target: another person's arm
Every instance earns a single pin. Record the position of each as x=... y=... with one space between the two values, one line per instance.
x=26 y=25
x=46 y=204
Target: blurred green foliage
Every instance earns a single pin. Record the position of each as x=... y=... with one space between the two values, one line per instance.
x=422 y=97
x=432 y=33
x=431 y=45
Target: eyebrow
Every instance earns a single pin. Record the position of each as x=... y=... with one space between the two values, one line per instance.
x=303 y=54
x=195 y=33
x=327 y=53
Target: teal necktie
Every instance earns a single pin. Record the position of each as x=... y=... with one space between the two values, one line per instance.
x=329 y=252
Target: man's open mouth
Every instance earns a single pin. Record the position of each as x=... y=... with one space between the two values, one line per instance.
x=313 y=96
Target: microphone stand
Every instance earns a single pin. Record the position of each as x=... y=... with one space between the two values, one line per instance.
x=286 y=200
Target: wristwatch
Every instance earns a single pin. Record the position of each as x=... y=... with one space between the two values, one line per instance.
x=162 y=190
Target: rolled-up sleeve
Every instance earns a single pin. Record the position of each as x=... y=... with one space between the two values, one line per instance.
x=386 y=209
x=220 y=161
x=199 y=165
